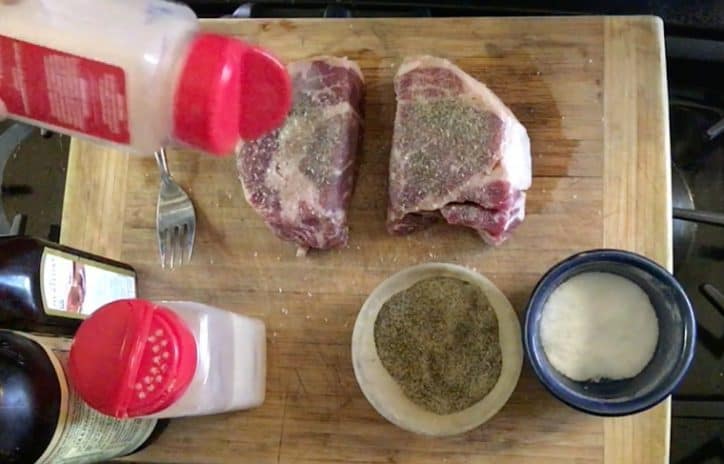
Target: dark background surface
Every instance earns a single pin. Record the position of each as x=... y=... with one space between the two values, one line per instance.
x=693 y=17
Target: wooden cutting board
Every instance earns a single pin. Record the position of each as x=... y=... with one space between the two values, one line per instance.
x=592 y=93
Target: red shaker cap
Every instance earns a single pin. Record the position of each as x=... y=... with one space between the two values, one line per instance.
x=205 y=112
x=266 y=93
x=132 y=358
x=228 y=90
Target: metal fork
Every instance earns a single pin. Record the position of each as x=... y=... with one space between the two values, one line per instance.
x=175 y=218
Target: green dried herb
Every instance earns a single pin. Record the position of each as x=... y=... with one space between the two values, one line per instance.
x=439 y=340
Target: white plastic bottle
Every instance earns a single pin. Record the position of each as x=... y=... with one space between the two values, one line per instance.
x=135 y=73
x=135 y=358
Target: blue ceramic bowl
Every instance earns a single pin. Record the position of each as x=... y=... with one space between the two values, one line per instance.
x=674 y=350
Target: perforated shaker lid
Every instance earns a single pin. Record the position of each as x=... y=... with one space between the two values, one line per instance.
x=132 y=358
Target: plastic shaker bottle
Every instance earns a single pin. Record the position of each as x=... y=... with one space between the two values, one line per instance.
x=138 y=74
x=135 y=358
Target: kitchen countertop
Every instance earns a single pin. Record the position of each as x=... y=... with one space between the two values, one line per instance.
x=592 y=92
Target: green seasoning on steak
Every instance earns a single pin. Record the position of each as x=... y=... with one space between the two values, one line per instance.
x=439 y=340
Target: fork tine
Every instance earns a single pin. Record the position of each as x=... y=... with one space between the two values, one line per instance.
x=180 y=237
x=162 y=246
x=189 y=240
x=181 y=251
x=171 y=246
x=178 y=245
x=173 y=242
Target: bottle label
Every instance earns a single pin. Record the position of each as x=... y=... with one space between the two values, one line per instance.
x=63 y=90
x=82 y=434
x=71 y=286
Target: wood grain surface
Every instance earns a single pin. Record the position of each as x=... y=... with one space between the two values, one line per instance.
x=637 y=193
x=591 y=92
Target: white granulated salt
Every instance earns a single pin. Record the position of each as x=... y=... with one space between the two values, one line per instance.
x=598 y=325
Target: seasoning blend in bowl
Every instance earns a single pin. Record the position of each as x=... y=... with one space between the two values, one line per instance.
x=609 y=332
x=436 y=349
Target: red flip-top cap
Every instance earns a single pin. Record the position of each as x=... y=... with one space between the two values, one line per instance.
x=132 y=358
x=205 y=109
x=228 y=90
x=266 y=93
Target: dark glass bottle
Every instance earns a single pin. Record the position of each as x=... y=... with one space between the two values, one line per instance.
x=51 y=288
x=42 y=419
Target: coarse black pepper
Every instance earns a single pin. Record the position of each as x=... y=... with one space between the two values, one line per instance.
x=445 y=142
x=312 y=137
x=439 y=340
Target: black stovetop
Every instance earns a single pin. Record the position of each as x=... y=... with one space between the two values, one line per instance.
x=694 y=17
x=696 y=102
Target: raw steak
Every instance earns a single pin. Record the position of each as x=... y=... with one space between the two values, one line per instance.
x=458 y=153
x=300 y=177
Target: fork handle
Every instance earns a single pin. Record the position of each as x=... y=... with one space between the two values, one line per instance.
x=160 y=156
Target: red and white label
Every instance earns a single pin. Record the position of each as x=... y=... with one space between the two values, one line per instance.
x=64 y=90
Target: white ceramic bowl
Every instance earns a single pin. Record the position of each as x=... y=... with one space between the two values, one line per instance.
x=383 y=392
